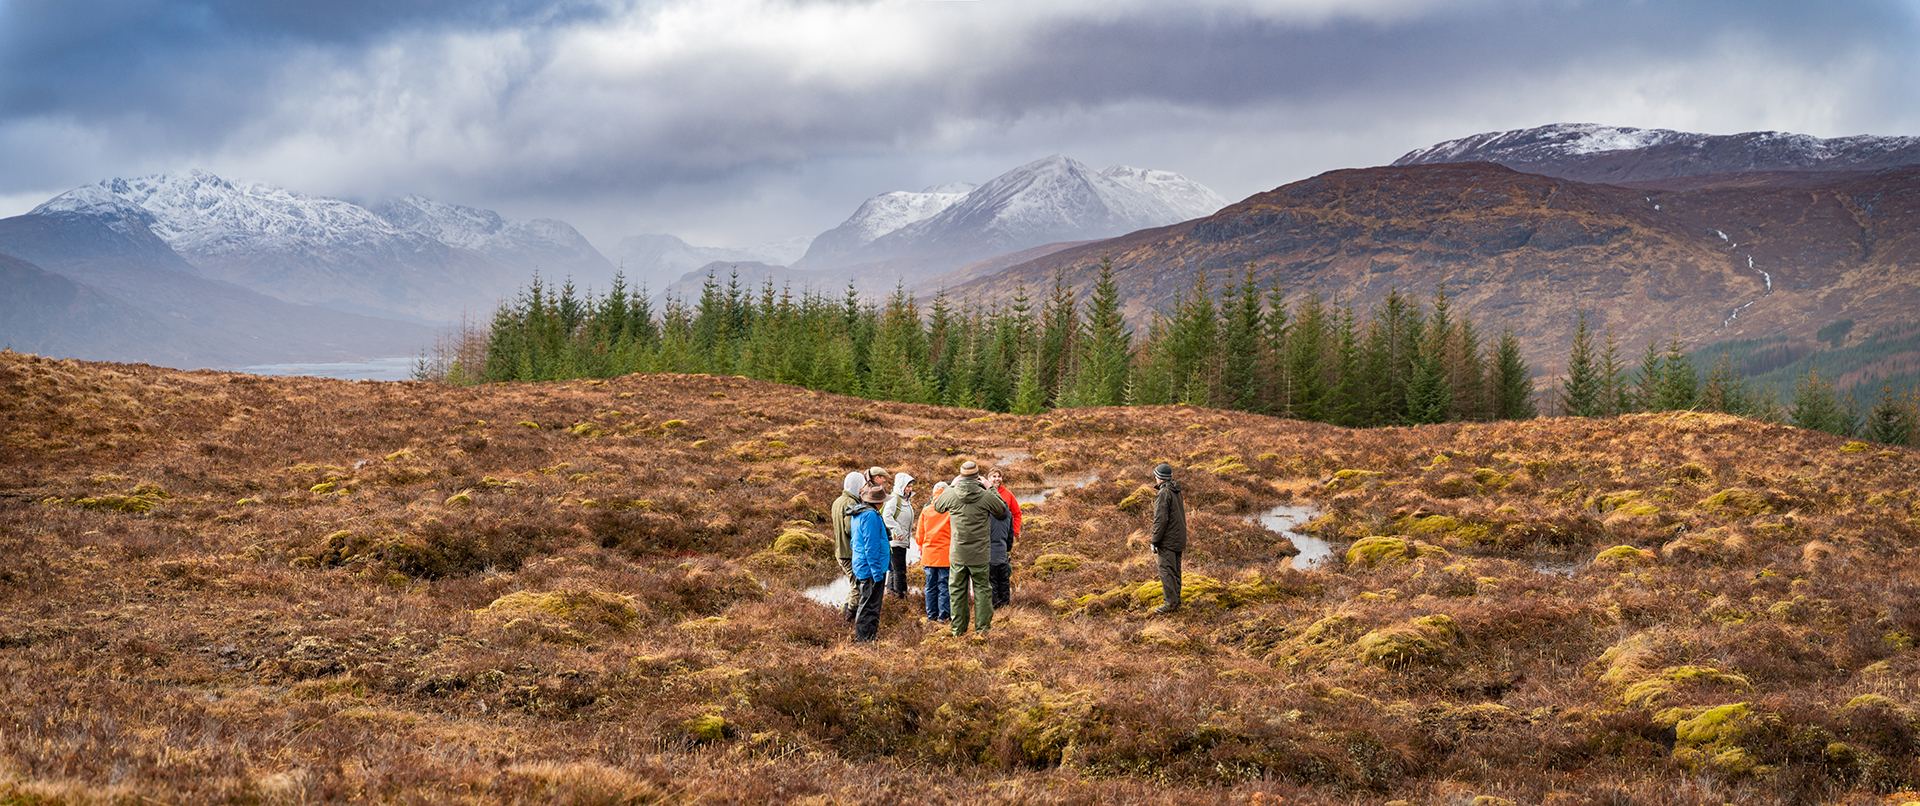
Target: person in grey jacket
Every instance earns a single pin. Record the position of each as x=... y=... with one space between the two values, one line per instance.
x=899 y=516
x=1169 y=535
x=973 y=507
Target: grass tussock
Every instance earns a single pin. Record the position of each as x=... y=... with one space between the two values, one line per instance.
x=217 y=588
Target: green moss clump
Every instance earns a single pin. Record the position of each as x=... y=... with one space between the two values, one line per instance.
x=1492 y=480
x=1855 y=447
x=460 y=500
x=1350 y=479
x=1047 y=565
x=1689 y=472
x=707 y=728
x=582 y=607
x=1715 y=728
x=795 y=540
x=322 y=488
x=1737 y=502
x=1623 y=556
x=1137 y=501
x=1654 y=690
x=1446 y=526
x=1424 y=641
x=588 y=429
x=1378 y=550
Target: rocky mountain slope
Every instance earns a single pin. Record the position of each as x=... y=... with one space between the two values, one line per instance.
x=1781 y=254
x=1614 y=154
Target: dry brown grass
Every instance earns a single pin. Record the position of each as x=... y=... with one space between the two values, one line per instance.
x=220 y=588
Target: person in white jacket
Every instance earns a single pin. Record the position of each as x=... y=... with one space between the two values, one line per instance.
x=899 y=517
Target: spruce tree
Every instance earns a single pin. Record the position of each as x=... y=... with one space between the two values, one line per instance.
x=1240 y=379
x=1679 y=388
x=1512 y=380
x=1890 y=423
x=1582 y=392
x=1104 y=349
x=1815 y=406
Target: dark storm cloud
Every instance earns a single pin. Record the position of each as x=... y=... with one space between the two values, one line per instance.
x=213 y=59
x=1234 y=59
x=669 y=106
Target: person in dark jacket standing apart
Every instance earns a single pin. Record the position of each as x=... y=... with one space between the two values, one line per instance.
x=870 y=554
x=843 y=537
x=1169 y=535
x=1005 y=531
x=973 y=508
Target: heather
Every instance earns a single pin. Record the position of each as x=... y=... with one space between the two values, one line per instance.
x=224 y=588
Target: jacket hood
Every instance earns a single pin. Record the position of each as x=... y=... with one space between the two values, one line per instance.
x=900 y=482
x=853 y=483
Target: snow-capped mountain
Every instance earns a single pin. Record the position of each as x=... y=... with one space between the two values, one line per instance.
x=552 y=247
x=423 y=260
x=1594 y=153
x=1046 y=201
x=880 y=215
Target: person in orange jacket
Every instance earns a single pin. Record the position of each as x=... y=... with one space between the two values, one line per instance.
x=934 y=533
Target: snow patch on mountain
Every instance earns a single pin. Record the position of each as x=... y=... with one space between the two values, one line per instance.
x=486 y=232
x=1593 y=152
x=200 y=214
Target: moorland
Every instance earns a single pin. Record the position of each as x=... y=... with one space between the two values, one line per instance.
x=220 y=588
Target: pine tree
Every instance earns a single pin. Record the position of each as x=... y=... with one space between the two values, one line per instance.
x=1240 y=379
x=1059 y=325
x=1512 y=380
x=1726 y=391
x=1652 y=374
x=1029 y=394
x=1679 y=387
x=1890 y=423
x=1305 y=389
x=1104 y=349
x=1583 y=391
x=1815 y=407
x=1616 y=392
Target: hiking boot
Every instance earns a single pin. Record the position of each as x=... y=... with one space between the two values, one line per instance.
x=1165 y=609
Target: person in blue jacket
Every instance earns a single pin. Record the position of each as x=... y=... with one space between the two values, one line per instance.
x=871 y=557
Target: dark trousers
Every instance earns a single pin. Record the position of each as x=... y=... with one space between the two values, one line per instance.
x=1170 y=578
x=1001 y=576
x=897 y=576
x=866 y=620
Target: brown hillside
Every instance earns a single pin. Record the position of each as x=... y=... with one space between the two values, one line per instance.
x=225 y=588
x=1529 y=251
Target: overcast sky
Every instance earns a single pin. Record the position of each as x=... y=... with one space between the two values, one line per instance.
x=733 y=122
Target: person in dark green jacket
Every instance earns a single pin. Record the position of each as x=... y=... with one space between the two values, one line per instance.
x=1169 y=535
x=843 y=538
x=972 y=506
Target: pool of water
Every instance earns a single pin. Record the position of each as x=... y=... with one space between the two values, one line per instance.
x=1286 y=519
x=378 y=369
x=1035 y=494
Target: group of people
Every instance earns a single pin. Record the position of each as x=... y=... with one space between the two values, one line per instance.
x=966 y=534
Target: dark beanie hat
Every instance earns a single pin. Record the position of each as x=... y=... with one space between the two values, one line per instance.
x=1163 y=472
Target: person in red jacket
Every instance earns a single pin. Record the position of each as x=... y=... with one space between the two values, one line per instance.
x=1000 y=566
x=934 y=532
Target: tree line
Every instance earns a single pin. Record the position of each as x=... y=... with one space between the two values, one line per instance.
x=1599 y=383
x=1234 y=347
x=1400 y=362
